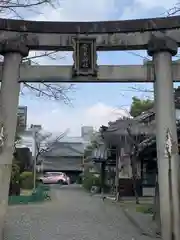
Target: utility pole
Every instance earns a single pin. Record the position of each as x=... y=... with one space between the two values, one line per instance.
x=117 y=175
x=103 y=165
x=34 y=160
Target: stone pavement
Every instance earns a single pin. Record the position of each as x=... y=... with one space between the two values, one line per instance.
x=143 y=222
x=71 y=215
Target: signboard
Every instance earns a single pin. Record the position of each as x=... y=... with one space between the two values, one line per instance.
x=36 y=127
x=21 y=118
x=85 y=57
x=171 y=147
x=168 y=143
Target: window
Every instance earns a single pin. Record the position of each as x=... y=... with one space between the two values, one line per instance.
x=46 y=175
x=56 y=173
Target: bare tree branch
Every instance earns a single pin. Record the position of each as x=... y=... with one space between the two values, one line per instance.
x=6 y=4
x=58 y=92
x=147 y=93
x=134 y=146
x=50 y=54
x=138 y=55
x=170 y=12
x=145 y=90
x=45 y=142
x=173 y=10
x=52 y=91
x=15 y=6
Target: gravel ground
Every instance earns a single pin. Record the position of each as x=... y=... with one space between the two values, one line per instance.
x=71 y=215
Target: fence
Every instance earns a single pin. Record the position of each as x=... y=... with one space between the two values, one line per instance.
x=40 y=194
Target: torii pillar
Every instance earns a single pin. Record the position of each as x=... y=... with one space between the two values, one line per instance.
x=13 y=52
x=162 y=49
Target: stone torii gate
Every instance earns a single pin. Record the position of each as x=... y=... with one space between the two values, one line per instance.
x=160 y=37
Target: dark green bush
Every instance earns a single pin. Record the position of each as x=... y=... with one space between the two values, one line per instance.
x=15 y=173
x=91 y=180
x=14 y=186
x=146 y=209
x=79 y=179
x=26 y=180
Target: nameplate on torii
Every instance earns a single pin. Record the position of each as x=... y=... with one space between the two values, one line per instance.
x=84 y=57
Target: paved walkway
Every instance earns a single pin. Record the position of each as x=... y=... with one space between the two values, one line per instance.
x=71 y=215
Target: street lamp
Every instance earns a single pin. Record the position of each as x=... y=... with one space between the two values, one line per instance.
x=100 y=156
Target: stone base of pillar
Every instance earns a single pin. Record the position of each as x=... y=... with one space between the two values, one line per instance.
x=5 y=175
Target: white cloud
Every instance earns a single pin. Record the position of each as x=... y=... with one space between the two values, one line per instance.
x=102 y=114
x=80 y=10
x=83 y=10
x=155 y=4
x=147 y=8
x=59 y=120
x=71 y=10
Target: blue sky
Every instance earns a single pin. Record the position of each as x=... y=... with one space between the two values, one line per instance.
x=93 y=104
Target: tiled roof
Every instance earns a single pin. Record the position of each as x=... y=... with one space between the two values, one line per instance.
x=66 y=149
x=151 y=141
x=137 y=127
x=72 y=140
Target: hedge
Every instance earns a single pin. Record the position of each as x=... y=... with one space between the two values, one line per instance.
x=26 y=180
x=91 y=180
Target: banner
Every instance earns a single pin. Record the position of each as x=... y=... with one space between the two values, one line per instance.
x=22 y=118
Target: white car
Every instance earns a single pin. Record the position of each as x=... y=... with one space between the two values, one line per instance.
x=54 y=177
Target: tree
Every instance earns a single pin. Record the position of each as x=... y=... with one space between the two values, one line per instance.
x=88 y=152
x=23 y=158
x=133 y=152
x=14 y=186
x=95 y=142
x=46 y=142
x=16 y=9
x=138 y=106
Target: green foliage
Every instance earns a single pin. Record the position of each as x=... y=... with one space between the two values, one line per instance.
x=146 y=209
x=90 y=148
x=39 y=195
x=138 y=106
x=79 y=179
x=22 y=156
x=90 y=180
x=26 y=180
x=88 y=151
x=17 y=137
x=15 y=173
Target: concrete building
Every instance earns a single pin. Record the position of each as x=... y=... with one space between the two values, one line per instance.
x=87 y=132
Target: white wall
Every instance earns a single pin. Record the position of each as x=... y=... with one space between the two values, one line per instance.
x=27 y=140
x=178 y=114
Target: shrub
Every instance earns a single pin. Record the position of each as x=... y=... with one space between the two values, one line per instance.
x=79 y=179
x=26 y=180
x=91 y=180
x=14 y=186
x=15 y=173
x=146 y=209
